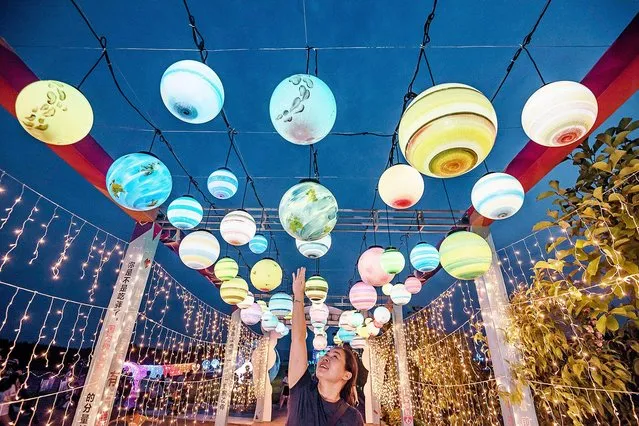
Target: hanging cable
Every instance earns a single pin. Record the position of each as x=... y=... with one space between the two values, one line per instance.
x=91 y=69
x=246 y=185
x=390 y=244
x=228 y=153
x=450 y=206
x=541 y=77
x=419 y=226
x=155 y=134
x=198 y=39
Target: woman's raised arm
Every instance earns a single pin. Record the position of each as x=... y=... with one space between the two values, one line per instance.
x=298 y=359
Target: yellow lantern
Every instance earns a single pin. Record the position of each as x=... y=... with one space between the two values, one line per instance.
x=266 y=274
x=234 y=291
x=54 y=112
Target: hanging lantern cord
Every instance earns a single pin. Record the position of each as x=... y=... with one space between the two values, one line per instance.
x=419 y=226
x=388 y=227
x=541 y=77
x=248 y=180
x=188 y=192
x=450 y=206
x=198 y=39
x=317 y=265
x=486 y=166
x=232 y=132
x=94 y=65
x=405 y=238
x=155 y=135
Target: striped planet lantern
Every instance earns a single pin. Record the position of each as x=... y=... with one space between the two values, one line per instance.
x=185 y=212
x=559 y=113
x=248 y=301
x=346 y=336
x=320 y=342
x=319 y=314
x=222 y=183
x=336 y=340
x=382 y=314
x=358 y=342
x=316 y=289
x=447 y=130
x=373 y=330
x=269 y=321
x=280 y=304
x=413 y=285
x=356 y=319
x=424 y=257
x=192 y=91
x=362 y=296
x=199 y=249
x=314 y=249
x=465 y=255
x=392 y=260
x=238 y=227
x=345 y=320
x=226 y=268
x=234 y=290
x=362 y=331
x=266 y=274
x=387 y=288
x=263 y=305
x=252 y=314
x=401 y=186
x=258 y=244
x=497 y=196
x=370 y=268
x=399 y=295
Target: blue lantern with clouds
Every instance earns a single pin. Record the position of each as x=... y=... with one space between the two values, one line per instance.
x=424 y=257
x=222 y=183
x=185 y=212
x=139 y=181
x=258 y=244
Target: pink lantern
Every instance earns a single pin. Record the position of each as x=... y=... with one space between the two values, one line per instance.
x=413 y=285
x=370 y=269
x=362 y=296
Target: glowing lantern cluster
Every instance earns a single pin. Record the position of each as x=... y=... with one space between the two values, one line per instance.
x=248 y=301
x=401 y=186
x=424 y=257
x=362 y=296
x=281 y=304
x=226 y=269
x=192 y=91
x=234 y=290
x=266 y=274
x=139 y=181
x=346 y=336
x=251 y=315
x=559 y=113
x=314 y=249
x=370 y=268
x=258 y=244
x=222 y=183
x=238 y=227
x=465 y=255
x=387 y=288
x=497 y=196
x=199 y=250
x=447 y=130
x=269 y=321
x=392 y=261
x=399 y=295
x=320 y=342
x=316 y=289
x=413 y=285
x=54 y=112
x=308 y=211
x=303 y=109
x=185 y=212
x=381 y=314
x=356 y=319
x=319 y=314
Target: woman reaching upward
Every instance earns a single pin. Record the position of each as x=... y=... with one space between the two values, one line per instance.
x=327 y=399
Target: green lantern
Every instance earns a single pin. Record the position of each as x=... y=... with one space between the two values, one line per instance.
x=392 y=261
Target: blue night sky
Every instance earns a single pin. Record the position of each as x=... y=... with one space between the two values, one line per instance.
x=367 y=53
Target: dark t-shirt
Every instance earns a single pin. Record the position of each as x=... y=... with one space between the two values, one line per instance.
x=307 y=408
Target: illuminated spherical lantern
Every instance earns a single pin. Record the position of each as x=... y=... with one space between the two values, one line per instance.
x=370 y=268
x=248 y=301
x=192 y=91
x=358 y=342
x=392 y=260
x=185 y=212
x=424 y=257
x=266 y=274
x=280 y=304
x=199 y=249
x=413 y=285
x=303 y=109
x=139 y=181
x=308 y=211
x=497 y=196
x=314 y=249
x=559 y=113
x=362 y=331
x=356 y=319
x=362 y=296
x=319 y=314
x=373 y=330
x=345 y=320
x=234 y=290
x=387 y=288
x=320 y=342
x=401 y=186
x=263 y=305
x=251 y=315
x=465 y=255
x=316 y=289
x=226 y=269
x=54 y=112
x=269 y=321
x=336 y=340
x=382 y=314
x=237 y=227
x=222 y=183
x=447 y=130
x=399 y=295
x=281 y=329
x=258 y=244
x=346 y=336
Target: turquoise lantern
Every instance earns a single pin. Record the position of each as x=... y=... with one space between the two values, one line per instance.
x=281 y=304
x=345 y=336
x=222 y=183
x=308 y=211
x=139 y=181
x=258 y=244
x=185 y=212
x=497 y=196
x=424 y=257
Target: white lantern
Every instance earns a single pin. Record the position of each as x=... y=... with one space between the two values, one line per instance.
x=251 y=315
x=238 y=227
x=382 y=314
x=497 y=196
x=401 y=186
x=320 y=342
x=199 y=249
x=372 y=330
x=400 y=296
x=345 y=320
x=248 y=301
x=387 y=288
x=319 y=314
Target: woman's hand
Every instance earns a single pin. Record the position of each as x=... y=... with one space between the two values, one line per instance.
x=299 y=282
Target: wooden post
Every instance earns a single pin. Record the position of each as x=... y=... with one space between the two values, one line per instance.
x=493 y=300
x=405 y=402
x=228 y=370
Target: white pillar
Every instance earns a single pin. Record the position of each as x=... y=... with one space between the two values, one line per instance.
x=228 y=370
x=493 y=300
x=264 y=406
x=96 y=401
x=371 y=401
x=405 y=402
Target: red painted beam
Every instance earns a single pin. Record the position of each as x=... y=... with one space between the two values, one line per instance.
x=87 y=157
x=613 y=80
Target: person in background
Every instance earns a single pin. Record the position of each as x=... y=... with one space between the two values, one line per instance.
x=329 y=398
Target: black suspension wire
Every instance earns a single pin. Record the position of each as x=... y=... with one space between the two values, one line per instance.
x=527 y=39
x=155 y=134
x=198 y=39
x=450 y=206
x=228 y=153
x=91 y=69
x=188 y=192
x=541 y=77
x=419 y=226
x=246 y=185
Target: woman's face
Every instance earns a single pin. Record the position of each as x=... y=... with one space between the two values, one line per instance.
x=332 y=366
